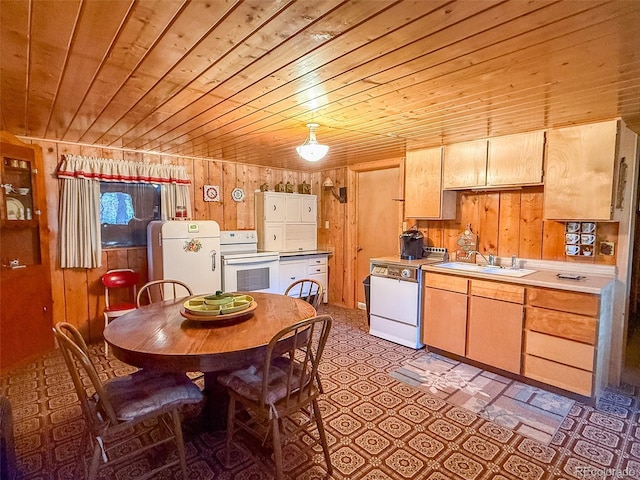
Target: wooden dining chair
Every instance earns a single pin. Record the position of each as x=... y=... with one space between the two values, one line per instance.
x=115 y=410
x=281 y=394
x=309 y=290
x=160 y=290
x=119 y=294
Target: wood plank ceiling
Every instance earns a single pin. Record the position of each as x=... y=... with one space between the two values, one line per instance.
x=238 y=80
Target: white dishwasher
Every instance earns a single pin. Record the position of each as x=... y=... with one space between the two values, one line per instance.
x=395 y=298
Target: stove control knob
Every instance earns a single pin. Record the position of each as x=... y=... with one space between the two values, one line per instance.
x=406 y=273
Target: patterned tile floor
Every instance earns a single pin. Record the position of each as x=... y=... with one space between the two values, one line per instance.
x=378 y=428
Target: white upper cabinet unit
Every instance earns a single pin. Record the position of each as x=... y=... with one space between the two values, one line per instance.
x=423 y=194
x=580 y=172
x=512 y=160
x=286 y=221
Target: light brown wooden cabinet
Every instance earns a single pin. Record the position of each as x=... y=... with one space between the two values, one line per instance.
x=465 y=165
x=580 y=172
x=516 y=159
x=561 y=337
x=423 y=194
x=548 y=335
x=25 y=281
x=444 y=324
x=511 y=160
x=494 y=330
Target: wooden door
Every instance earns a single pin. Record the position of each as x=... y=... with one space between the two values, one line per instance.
x=377 y=223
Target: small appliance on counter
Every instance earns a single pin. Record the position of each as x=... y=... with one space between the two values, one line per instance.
x=411 y=245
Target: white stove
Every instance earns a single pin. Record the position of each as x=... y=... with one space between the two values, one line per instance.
x=244 y=268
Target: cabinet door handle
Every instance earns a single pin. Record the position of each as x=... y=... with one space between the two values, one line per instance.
x=274 y=208
x=274 y=237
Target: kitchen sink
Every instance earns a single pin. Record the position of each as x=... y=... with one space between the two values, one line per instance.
x=484 y=269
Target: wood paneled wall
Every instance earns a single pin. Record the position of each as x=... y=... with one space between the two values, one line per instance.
x=78 y=293
x=510 y=223
x=507 y=222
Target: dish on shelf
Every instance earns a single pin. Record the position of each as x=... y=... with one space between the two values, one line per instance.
x=196 y=308
x=14 y=208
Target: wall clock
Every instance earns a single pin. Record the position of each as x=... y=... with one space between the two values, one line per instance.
x=237 y=194
x=211 y=193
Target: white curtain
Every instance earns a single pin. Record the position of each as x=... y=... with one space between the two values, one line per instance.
x=80 y=236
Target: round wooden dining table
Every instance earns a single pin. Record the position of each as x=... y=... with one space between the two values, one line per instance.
x=158 y=336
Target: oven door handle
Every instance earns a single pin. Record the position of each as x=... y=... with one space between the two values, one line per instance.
x=250 y=261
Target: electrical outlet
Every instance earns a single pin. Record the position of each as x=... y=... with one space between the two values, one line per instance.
x=326 y=224
x=404 y=226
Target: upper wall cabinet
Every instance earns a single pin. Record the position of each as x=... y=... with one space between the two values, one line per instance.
x=512 y=160
x=515 y=159
x=580 y=172
x=423 y=195
x=465 y=165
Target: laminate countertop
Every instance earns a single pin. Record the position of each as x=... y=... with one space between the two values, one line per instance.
x=545 y=277
x=304 y=253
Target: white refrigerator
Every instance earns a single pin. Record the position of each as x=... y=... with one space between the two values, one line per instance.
x=186 y=250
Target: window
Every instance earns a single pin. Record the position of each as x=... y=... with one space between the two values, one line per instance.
x=125 y=211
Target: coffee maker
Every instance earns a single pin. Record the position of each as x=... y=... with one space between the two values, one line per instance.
x=411 y=245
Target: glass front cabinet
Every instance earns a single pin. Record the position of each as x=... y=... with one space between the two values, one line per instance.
x=25 y=281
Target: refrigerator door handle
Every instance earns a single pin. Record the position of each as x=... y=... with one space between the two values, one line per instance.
x=212 y=253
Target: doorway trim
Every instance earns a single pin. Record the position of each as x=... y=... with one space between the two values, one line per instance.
x=352 y=217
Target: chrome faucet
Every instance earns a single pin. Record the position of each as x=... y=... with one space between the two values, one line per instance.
x=491 y=261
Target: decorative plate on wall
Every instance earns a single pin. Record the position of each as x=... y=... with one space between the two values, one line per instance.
x=237 y=194
x=211 y=193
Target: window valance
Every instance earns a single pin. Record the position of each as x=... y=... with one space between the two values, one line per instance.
x=80 y=230
x=108 y=170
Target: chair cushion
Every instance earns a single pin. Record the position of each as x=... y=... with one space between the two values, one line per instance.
x=146 y=391
x=248 y=381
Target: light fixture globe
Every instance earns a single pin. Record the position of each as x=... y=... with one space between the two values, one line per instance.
x=311 y=150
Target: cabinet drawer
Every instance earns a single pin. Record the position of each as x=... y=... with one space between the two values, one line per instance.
x=562 y=376
x=573 y=302
x=561 y=350
x=316 y=269
x=561 y=324
x=451 y=283
x=317 y=261
x=498 y=291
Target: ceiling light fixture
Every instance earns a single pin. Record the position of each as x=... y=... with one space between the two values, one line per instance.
x=311 y=150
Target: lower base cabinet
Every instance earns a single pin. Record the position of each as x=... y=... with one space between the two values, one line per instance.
x=444 y=322
x=298 y=267
x=548 y=335
x=561 y=335
x=494 y=333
